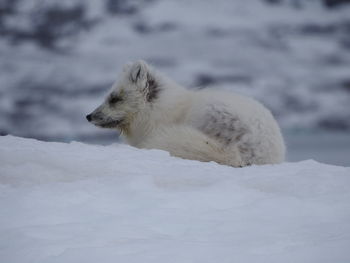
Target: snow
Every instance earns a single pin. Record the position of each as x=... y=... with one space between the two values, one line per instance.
x=86 y=203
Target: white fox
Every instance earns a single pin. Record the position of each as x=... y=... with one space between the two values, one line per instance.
x=153 y=112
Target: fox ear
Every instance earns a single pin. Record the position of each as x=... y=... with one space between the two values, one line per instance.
x=152 y=88
x=142 y=74
x=138 y=71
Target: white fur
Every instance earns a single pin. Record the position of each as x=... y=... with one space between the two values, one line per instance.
x=205 y=125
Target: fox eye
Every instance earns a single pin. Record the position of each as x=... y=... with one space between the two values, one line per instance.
x=114 y=100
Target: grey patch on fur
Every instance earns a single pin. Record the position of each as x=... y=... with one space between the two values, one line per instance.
x=247 y=151
x=153 y=88
x=110 y=124
x=114 y=98
x=223 y=125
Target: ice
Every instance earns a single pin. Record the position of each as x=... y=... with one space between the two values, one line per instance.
x=86 y=203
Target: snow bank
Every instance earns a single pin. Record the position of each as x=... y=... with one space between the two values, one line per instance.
x=84 y=203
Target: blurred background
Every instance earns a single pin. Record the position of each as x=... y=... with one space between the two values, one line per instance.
x=58 y=58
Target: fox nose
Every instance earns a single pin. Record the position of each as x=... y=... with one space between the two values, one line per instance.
x=88 y=117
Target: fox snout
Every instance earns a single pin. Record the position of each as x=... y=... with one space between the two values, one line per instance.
x=88 y=117
x=94 y=116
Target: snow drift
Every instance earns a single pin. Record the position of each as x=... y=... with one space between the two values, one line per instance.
x=83 y=203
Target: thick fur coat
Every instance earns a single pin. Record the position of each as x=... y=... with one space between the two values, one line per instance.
x=153 y=112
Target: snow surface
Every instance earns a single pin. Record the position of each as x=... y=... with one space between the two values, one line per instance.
x=84 y=203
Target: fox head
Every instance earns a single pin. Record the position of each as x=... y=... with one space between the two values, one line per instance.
x=134 y=91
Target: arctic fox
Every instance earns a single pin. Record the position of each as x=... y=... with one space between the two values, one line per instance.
x=153 y=112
